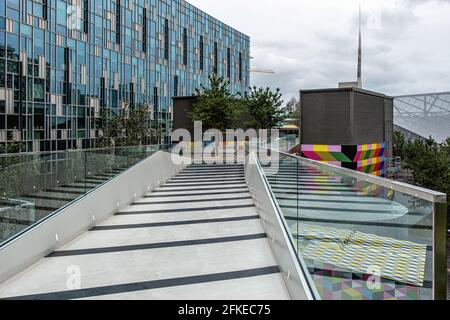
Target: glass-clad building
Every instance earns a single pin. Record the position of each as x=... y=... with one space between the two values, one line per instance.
x=63 y=60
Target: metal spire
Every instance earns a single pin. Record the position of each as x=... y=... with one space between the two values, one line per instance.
x=359 y=75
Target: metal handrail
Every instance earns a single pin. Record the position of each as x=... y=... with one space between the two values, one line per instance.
x=309 y=282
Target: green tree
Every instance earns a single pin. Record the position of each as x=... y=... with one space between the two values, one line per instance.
x=264 y=108
x=128 y=127
x=428 y=160
x=216 y=106
x=399 y=143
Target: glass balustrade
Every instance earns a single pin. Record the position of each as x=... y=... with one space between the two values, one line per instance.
x=361 y=237
x=33 y=186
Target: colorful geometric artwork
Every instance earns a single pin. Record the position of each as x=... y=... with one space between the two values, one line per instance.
x=367 y=158
x=393 y=259
x=333 y=284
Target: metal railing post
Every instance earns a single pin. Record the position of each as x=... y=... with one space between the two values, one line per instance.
x=440 y=251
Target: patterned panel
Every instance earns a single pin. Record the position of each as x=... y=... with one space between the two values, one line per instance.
x=367 y=158
x=401 y=261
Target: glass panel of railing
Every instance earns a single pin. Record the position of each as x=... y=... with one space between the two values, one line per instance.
x=34 y=186
x=359 y=240
x=283 y=178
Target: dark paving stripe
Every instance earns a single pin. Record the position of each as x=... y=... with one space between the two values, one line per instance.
x=244 y=190
x=96 y=181
x=303 y=181
x=322 y=194
x=185 y=210
x=340 y=189
x=63 y=191
x=305 y=174
x=191 y=201
x=310 y=185
x=35 y=196
x=334 y=201
x=211 y=173
x=217 y=174
x=359 y=277
x=200 y=184
x=107 y=175
x=214 y=166
x=215 y=178
x=173 y=223
x=238 y=186
x=160 y=245
x=362 y=223
x=212 y=170
x=149 y=285
x=294 y=171
x=15 y=221
x=44 y=208
x=345 y=210
x=313 y=188
x=97 y=178
x=88 y=185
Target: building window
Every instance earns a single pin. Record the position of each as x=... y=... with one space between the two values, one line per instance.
x=166 y=39
x=144 y=31
x=216 y=58
x=85 y=16
x=185 y=47
x=175 y=86
x=228 y=62
x=240 y=66
x=202 y=53
x=155 y=101
x=132 y=102
x=45 y=9
x=118 y=22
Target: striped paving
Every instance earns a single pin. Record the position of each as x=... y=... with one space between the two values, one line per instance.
x=188 y=239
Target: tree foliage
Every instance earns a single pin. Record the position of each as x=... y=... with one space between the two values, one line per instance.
x=216 y=106
x=128 y=127
x=264 y=107
x=428 y=160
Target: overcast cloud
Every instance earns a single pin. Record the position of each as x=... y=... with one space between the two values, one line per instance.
x=313 y=43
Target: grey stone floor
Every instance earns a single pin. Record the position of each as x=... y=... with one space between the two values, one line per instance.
x=196 y=237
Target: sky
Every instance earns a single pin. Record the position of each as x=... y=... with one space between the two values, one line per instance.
x=313 y=43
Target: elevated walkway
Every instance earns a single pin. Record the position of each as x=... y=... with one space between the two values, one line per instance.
x=198 y=236
x=277 y=227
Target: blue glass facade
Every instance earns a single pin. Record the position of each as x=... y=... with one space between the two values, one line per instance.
x=63 y=60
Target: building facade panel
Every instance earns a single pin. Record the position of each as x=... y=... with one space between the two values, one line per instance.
x=62 y=60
